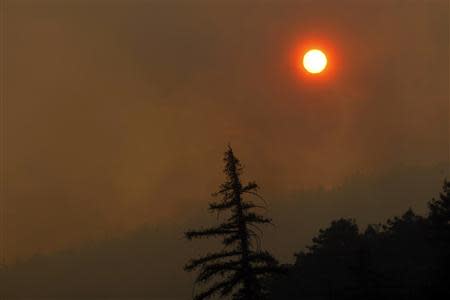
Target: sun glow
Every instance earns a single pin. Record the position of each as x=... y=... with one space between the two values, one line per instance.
x=315 y=61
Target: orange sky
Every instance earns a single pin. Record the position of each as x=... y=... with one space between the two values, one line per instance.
x=119 y=111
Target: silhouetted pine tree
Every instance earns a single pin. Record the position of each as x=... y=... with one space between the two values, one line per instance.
x=439 y=214
x=439 y=221
x=241 y=266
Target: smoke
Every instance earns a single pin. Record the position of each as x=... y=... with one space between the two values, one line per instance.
x=118 y=112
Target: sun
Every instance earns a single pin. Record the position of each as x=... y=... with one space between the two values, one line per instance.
x=315 y=61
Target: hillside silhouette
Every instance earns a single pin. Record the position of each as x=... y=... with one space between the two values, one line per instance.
x=148 y=262
x=405 y=258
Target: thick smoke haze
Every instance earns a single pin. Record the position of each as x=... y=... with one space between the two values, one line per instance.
x=119 y=111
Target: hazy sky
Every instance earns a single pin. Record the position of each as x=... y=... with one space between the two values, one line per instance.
x=119 y=111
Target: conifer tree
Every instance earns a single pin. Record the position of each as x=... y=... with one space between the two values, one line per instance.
x=439 y=214
x=439 y=221
x=241 y=266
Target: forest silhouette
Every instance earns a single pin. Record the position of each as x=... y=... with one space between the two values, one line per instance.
x=116 y=114
x=407 y=257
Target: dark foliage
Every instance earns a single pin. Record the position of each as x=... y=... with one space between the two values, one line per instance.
x=145 y=263
x=439 y=236
x=406 y=258
x=241 y=267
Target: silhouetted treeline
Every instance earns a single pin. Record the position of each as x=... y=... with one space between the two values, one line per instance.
x=405 y=258
x=146 y=263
